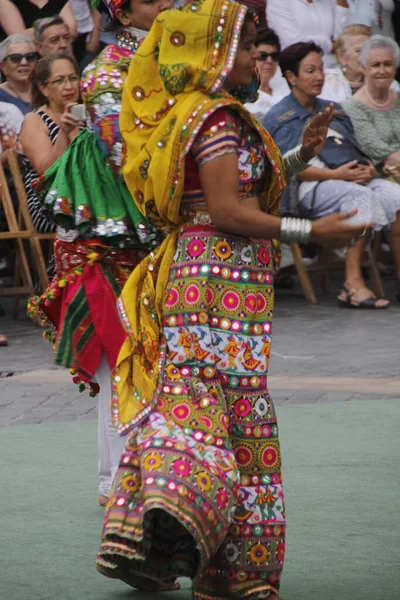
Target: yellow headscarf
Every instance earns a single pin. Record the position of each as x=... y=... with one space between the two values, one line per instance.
x=174 y=84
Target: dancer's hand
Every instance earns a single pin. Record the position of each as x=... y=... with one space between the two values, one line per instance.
x=333 y=231
x=315 y=133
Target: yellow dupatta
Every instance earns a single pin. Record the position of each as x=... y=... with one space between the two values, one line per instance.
x=174 y=84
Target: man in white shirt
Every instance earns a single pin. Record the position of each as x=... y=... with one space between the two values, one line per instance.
x=319 y=21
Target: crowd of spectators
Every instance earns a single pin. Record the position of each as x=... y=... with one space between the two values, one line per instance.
x=354 y=45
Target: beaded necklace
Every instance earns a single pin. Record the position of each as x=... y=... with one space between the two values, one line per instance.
x=379 y=104
x=130 y=38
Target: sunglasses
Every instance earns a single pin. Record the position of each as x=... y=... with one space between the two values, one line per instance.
x=30 y=57
x=264 y=55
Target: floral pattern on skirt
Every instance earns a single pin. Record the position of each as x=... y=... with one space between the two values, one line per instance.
x=198 y=491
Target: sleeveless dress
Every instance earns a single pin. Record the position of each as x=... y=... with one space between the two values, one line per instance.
x=198 y=492
x=39 y=218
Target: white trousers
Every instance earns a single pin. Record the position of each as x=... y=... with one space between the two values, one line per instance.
x=111 y=445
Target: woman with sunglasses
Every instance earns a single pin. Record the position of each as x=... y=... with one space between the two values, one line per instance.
x=273 y=86
x=17 y=61
x=50 y=127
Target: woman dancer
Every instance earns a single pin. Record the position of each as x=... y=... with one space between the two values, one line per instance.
x=199 y=491
x=105 y=234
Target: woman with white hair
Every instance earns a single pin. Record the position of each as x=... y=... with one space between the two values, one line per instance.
x=345 y=80
x=375 y=108
x=375 y=111
x=17 y=60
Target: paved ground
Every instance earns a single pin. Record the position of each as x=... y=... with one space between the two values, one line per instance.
x=320 y=354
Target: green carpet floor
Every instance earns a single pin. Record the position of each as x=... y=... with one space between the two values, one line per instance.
x=342 y=481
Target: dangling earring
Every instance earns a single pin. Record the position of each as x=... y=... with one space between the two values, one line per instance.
x=293 y=84
x=344 y=68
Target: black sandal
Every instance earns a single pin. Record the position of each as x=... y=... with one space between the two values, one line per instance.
x=368 y=303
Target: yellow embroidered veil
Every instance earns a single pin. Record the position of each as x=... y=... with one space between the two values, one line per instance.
x=174 y=83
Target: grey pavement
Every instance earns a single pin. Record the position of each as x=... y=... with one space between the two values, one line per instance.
x=320 y=354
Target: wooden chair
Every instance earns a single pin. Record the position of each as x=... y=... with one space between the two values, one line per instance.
x=25 y=220
x=22 y=284
x=327 y=263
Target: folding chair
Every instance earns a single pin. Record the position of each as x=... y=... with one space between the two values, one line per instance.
x=39 y=261
x=325 y=265
x=22 y=284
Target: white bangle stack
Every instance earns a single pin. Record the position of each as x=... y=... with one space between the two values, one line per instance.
x=295 y=230
x=294 y=162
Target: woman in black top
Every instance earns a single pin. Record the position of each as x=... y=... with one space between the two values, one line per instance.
x=18 y=15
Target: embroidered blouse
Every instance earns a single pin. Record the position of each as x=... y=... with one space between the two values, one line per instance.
x=101 y=90
x=224 y=132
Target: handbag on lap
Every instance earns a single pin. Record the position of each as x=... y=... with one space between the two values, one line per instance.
x=339 y=151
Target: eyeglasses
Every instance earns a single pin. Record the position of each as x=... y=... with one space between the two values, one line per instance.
x=30 y=57
x=63 y=80
x=264 y=55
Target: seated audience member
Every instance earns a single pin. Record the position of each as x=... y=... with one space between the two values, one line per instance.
x=341 y=178
x=377 y=14
x=18 y=16
x=319 y=21
x=375 y=109
x=52 y=36
x=343 y=81
x=10 y=125
x=17 y=60
x=273 y=86
x=50 y=127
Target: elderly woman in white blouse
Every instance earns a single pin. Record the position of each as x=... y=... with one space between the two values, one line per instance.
x=319 y=21
x=342 y=81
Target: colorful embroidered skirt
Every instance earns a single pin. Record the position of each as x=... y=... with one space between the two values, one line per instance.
x=80 y=191
x=79 y=307
x=198 y=491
